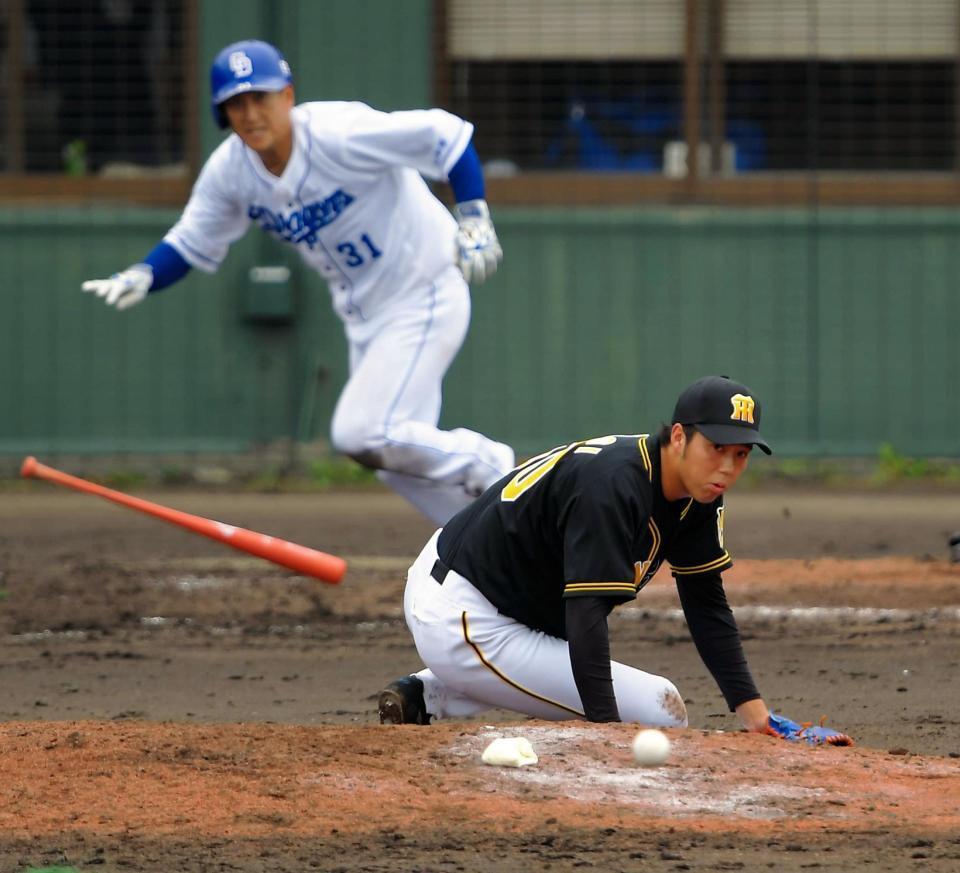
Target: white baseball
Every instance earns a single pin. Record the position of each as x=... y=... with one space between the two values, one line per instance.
x=651 y=747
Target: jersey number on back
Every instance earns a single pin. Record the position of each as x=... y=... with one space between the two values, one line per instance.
x=536 y=468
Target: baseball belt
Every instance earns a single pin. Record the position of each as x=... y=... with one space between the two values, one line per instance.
x=439 y=571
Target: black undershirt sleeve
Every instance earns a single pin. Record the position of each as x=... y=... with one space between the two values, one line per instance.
x=589 y=641
x=716 y=636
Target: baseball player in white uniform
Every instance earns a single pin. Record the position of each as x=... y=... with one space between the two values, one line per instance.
x=343 y=183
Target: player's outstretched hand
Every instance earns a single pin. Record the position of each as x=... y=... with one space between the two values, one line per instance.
x=478 y=249
x=783 y=727
x=125 y=289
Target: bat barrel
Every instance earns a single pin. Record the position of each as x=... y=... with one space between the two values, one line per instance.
x=301 y=559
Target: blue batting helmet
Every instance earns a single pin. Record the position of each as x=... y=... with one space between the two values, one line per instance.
x=250 y=65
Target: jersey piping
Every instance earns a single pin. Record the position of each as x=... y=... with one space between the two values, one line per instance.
x=629 y=588
x=643 y=573
x=253 y=169
x=465 y=624
x=645 y=456
x=413 y=363
x=702 y=568
x=657 y=539
x=306 y=170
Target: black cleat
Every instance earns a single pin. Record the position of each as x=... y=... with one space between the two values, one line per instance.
x=401 y=702
x=955 y=549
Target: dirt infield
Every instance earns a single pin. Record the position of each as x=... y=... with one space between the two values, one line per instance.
x=169 y=704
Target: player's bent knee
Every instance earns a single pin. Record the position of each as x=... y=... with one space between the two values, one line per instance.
x=371 y=460
x=358 y=440
x=673 y=706
x=657 y=704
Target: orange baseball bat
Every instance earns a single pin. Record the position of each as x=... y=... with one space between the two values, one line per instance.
x=327 y=568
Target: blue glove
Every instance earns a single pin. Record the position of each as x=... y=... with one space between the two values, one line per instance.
x=783 y=727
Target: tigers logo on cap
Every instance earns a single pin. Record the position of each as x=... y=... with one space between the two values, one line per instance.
x=743 y=406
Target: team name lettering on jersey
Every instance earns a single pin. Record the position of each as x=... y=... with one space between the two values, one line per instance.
x=301 y=225
x=742 y=408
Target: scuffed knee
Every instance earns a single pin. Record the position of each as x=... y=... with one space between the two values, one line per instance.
x=653 y=701
x=673 y=706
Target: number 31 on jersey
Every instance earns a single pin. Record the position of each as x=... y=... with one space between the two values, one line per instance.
x=354 y=256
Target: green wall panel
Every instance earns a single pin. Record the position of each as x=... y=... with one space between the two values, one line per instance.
x=183 y=371
x=887 y=349
x=842 y=320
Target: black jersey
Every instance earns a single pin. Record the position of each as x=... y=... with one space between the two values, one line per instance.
x=587 y=519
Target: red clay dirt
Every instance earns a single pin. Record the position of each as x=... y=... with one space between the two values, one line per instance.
x=171 y=706
x=255 y=780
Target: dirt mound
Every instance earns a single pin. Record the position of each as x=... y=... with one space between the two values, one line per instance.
x=250 y=780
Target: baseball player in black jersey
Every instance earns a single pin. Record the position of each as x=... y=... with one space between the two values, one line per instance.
x=508 y=602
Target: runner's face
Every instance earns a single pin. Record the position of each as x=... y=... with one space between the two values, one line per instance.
x=261 y=118
x=708 y=470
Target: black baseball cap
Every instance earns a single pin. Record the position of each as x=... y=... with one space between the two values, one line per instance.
x=724 y=411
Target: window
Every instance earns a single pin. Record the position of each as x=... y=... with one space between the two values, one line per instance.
x=95 y=88
x=869 y=116
x=567 y=85
x=585 y=115
x=854 y=96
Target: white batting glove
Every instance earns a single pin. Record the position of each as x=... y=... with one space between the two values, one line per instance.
x=125 y=289
x=478 y=249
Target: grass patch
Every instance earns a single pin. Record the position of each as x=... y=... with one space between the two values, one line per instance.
x=338 y=473
x=125 y=480
x=894 y=467
x=888 y=468
x=317 y=475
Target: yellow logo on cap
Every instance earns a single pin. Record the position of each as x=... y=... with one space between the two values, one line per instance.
x=742 y=408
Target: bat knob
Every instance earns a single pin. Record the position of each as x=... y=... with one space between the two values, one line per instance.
x=29 y=466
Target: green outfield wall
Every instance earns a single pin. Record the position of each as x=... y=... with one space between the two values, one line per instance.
x=844 y=321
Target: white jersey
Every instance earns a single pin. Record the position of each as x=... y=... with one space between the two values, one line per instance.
x=351 y=200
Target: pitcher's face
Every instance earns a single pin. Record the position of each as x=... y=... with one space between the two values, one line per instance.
x=707 y=470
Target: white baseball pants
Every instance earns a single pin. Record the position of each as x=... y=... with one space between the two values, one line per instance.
x=387 y=414
x=477 y=658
